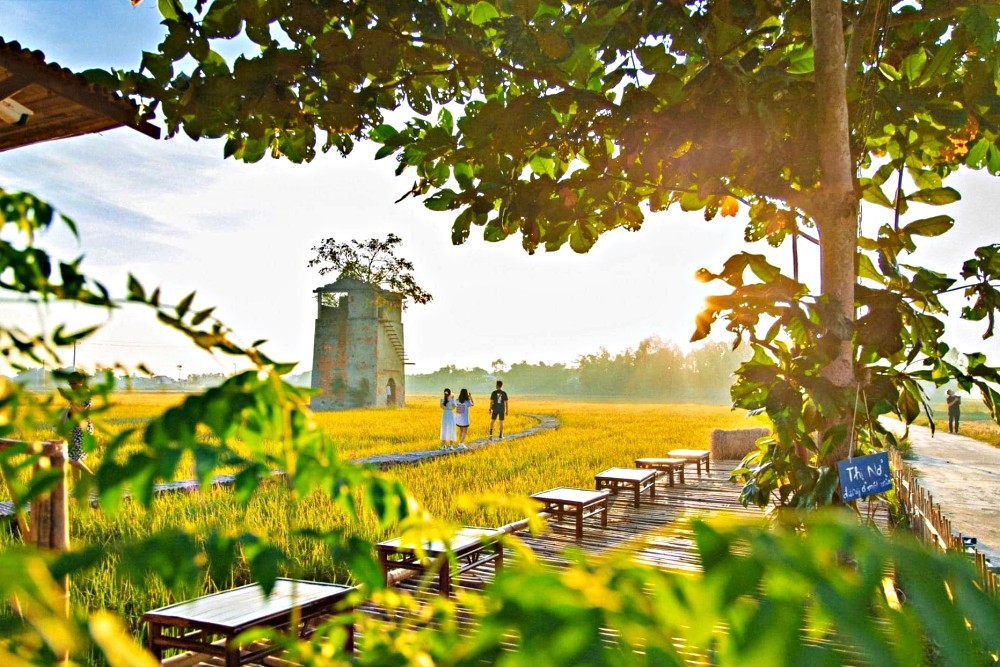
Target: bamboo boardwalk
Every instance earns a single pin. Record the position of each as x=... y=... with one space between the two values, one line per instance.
x=658 y=532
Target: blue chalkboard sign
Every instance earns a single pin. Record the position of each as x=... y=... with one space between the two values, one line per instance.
x=864 y=476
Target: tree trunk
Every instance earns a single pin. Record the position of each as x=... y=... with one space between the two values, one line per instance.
x=837 y=210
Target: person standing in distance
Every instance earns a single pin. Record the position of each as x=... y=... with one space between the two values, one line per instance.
x=462 y=415
x=954 y=402
x=447 y=404
x=78 y=396
x=498 y=407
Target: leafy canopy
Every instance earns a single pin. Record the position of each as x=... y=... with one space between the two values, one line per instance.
x=558 y=121
x=373 y=261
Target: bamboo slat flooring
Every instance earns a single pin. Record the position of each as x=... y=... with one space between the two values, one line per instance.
x=658 y=533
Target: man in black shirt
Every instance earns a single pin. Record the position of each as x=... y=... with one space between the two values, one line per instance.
x=498 y=407
x=954 y=411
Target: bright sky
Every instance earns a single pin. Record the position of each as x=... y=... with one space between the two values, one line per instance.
x=177 y=215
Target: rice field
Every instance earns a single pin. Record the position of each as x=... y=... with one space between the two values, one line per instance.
x=482 y=487
x=975 y=423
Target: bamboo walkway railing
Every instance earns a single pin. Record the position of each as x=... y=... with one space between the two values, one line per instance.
x=929 y=523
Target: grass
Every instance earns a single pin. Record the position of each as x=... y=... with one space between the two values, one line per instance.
x=357 y=433
x=591 y=436
x=975 y=423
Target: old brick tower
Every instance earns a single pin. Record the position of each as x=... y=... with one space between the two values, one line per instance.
x=358 y=356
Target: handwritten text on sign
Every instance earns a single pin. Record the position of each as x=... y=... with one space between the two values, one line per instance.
x=864 y=476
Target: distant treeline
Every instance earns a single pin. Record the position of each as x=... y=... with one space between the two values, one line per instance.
x=655 y=370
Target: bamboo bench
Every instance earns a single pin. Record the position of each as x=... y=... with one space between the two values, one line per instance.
x=209 y=625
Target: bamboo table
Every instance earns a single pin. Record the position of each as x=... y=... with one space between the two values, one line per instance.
x=666 y=465
x=210 y=624
x=637 y=479
x=695 y=456
x=472 y=547
x=579 y=503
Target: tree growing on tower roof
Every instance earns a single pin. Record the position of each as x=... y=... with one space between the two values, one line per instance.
x=559 y=121
x=373 y=261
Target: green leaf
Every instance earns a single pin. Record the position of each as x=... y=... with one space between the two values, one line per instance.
x=936 y=196
x=170 y=9
x=460 y=228
x=265 y=566
x=442 y=200
x=201 y=316
x=463 y=174
x=135 y=290
x=935 y=226
x=866 y=269
x=913 y=65
x=482 y=13
x=184 y=305
x=889 y=71
x=800 y=61
x=223 y=19
x=871 y=192
x=383 y=132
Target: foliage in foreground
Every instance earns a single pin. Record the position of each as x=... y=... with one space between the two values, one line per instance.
x=765 y=597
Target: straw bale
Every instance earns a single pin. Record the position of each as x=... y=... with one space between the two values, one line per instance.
x=734 y=445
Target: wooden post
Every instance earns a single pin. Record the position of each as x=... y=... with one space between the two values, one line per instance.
x=47 y=524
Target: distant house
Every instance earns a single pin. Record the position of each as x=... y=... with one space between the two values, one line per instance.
x=358 y=355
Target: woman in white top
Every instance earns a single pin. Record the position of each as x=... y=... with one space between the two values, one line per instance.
x=462 y=415
x=447 y=419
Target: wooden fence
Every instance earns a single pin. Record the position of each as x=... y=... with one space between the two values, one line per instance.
x=927 y=521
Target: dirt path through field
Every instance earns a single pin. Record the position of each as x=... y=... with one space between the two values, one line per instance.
x=545 y=423
x=963 y=475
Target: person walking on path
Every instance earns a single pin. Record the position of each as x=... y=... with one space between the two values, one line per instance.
x=447 y=403
x=498 y=407
x=462 y=415
x=954 y=410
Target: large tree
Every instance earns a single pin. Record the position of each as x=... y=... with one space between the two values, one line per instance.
x=559 y=121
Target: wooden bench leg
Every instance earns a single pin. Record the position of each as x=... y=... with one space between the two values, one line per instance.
x=444 y=578
x=155 y=632
x=232 y=652
x=579 y=523
x=349 y=642
x=383 y=561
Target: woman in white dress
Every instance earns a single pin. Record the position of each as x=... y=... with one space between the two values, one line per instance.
x=447 y=419
x=462 y=415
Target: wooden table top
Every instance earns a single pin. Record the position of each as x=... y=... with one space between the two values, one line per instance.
x=629 y=474
x=661 y=460
x=565 y=494
x=464 y=538
x=240 y=608
x=688 y=452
